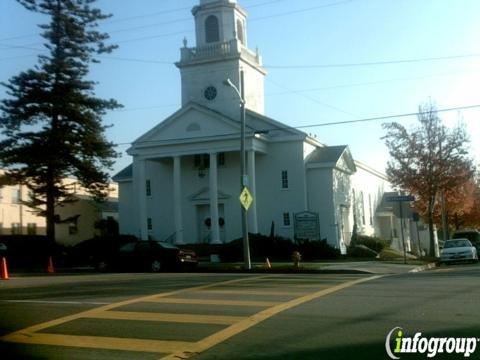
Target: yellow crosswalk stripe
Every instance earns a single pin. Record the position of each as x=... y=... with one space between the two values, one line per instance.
x=99 y=342
x=253 y=292
x=166 y=317
x=214 y=302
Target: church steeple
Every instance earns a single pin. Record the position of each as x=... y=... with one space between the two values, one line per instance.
x=219 y=21
x=221 y=52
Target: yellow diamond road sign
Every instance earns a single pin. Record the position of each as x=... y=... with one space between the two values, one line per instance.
x=246 y=198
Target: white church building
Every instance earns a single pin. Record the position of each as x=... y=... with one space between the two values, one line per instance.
x=183 y=184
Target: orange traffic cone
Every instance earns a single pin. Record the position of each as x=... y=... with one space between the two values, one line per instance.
x=267 y=264
x=50 y=268
x=3 y=269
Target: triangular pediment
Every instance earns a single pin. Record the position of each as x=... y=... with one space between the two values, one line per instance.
x=346 y=162
x=338 y=157
x=204 y=195
x=190 y=122
x=270 y=127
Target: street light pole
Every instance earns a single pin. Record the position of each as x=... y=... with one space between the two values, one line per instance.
x=243 y=175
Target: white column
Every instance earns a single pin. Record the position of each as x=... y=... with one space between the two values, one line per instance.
x=252 y=212
x=141 y=195
x=212 y=176
x=305 y=188
x=177 y=200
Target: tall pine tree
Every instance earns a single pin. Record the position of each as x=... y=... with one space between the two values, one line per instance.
x=51 y=119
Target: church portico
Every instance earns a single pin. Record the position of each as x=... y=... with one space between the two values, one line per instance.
x=202 y=189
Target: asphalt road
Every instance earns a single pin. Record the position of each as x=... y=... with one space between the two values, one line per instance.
x=233 y=316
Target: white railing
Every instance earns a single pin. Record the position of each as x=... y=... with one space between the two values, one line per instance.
x=218 y=50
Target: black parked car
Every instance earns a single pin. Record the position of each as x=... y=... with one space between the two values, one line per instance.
x=149 y=255
x=28 y=251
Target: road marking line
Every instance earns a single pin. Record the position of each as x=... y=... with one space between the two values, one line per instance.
x=444 y=270
x=167 y=317
x=214 y=302
x=99 y=342
x=29 y=331
x=308 y=280
x=253 y=320
x=282 y=286
x=253 y=292
x=316 y=286
x=56 y=302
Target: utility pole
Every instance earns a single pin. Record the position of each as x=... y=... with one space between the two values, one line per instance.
x=243 y=175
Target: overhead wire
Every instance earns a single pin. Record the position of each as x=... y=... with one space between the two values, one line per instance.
x=308 y=97
x=189 y=18
x=288 y=127
x=297 y=92
x=374 y=63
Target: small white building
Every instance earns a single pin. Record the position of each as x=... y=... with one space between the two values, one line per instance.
x=184 y=183
x=15 y=217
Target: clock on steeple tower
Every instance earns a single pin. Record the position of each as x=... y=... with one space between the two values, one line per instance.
x=221 y=52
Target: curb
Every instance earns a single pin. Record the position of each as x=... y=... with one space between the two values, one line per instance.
x=424 y=267
x=280 y=271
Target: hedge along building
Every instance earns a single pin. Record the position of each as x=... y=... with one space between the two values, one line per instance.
x=184 y=182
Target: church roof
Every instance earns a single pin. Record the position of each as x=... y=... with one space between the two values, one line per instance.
x=331 y=155
x=125 y=174
x=270 y=127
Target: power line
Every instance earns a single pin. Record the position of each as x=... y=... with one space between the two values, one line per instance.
x=17 y=57
x=310 y=89
x=373 y=63
x=145 y=108
x=333 y=65
x=311 y=98
x=379 y=82
x=301 y=10
x=145 y=16
x=135 y=60
x=136 y=17
x=183 y=32
x=287 y=127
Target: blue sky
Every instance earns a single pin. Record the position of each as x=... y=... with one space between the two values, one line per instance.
x=316 y=54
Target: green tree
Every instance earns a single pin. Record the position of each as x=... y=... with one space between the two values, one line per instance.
x=51 y=119
x=428 y=160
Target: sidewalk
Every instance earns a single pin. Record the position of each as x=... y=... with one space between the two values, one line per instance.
x=334 y=267
x=376 y=267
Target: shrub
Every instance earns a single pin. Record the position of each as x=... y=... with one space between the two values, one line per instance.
x=261 y=246
x=317 y=250
x=361 y=251
x=277 y=248
x=373 y=243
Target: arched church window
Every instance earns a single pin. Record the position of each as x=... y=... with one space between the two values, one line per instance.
x=240 y=31
x=212 y=31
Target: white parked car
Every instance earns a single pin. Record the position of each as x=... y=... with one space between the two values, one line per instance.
x=458 y=250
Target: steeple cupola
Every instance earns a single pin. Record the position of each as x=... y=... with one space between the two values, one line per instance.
x=221 y=53
x=219 y=21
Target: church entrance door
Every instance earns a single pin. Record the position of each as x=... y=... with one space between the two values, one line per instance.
x=204 y=223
